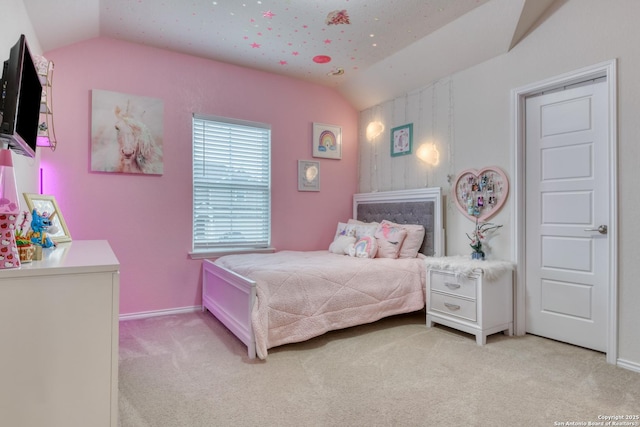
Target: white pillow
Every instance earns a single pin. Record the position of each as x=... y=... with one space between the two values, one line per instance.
x=345 y=230
x=363 y=229
x=341 y=245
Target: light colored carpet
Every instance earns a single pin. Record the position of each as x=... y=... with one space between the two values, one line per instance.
x=188 y=370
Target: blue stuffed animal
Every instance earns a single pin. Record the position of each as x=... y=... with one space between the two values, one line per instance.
x=40 y=224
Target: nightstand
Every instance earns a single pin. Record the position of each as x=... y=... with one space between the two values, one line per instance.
x=472 y=302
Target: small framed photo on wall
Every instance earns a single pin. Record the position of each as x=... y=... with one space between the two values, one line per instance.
x=401 y=140
x=327 y=141
x=308 y=175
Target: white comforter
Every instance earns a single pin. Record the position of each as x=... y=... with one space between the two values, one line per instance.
x=301 y=295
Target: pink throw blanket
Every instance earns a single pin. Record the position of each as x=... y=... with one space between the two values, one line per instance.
x=301 y=295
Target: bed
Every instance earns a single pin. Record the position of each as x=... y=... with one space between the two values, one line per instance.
x=321 y=290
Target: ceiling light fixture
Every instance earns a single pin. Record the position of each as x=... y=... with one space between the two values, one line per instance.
x=337 y=17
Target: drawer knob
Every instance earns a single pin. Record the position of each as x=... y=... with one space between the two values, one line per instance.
x=452 y=285
x=452 y=306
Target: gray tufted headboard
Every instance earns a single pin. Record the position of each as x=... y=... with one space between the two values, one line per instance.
x=421 y=206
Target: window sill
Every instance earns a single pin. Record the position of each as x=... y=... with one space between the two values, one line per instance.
x=221 y=252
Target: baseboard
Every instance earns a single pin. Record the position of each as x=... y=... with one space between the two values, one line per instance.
x=155 y=313
x=632 y=366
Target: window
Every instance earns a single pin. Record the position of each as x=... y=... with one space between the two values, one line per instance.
x=231 y=185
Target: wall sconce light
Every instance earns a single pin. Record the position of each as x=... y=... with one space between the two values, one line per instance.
x=374 y=129
x=46 y=133
x=429 y=154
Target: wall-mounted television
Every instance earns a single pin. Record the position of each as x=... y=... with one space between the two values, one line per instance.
x=20 y=100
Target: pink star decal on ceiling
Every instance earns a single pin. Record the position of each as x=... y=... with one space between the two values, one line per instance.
x=295 y=53
x=283 y=62
x=255 y=45
x=268 y=14
x=327 y=41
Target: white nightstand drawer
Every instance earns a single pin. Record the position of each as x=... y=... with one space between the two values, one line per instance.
x=453 y=284
x=453 y=306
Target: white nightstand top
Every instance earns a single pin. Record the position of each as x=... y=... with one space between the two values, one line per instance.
x=465 y=265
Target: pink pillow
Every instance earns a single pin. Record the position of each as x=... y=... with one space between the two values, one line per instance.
x=413 y=242
x=390 y=238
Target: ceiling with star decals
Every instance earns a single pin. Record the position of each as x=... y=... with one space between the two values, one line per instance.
x=323 y=41
x=282 y=36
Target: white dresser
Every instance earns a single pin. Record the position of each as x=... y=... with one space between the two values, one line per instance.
x=59 y=338
x=470 y=302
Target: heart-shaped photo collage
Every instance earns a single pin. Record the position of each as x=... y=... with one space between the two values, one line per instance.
x=479 y=194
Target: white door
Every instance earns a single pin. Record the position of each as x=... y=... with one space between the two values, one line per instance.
x=567 y=214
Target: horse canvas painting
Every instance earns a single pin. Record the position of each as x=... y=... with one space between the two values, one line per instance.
x=126 y=133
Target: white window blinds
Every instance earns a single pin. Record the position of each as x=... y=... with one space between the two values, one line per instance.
x=231 y=184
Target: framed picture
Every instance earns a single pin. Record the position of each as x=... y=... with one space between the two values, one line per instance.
x=47 y=205
x=126 y=133
x=327 y=141
x=308 y=175
x=401 y=140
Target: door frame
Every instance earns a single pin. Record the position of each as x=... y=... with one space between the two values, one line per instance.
x=518 y=97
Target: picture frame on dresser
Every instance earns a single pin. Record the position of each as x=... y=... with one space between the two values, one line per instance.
x=47 y=205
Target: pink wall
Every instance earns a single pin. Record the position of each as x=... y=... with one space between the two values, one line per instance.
x=147 y=219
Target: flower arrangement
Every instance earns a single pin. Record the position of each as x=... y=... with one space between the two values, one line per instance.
x=26 y=248
x=478 y=236
x=22 y=231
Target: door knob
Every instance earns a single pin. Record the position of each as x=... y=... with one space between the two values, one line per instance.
x=602 y=229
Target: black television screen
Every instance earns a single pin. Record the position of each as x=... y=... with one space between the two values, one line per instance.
x=20 y=103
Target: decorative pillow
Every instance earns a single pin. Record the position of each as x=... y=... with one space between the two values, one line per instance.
x=413 y=241
x=341 y=245
x=345 y=230
x=366 y=247
x=363 y=228
x=390 y=238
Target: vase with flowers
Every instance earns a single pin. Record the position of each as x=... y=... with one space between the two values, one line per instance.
x=479 y=235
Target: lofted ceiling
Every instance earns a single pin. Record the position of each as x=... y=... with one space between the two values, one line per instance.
x=354 y=46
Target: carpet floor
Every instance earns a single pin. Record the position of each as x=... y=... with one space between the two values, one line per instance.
x=189 y=370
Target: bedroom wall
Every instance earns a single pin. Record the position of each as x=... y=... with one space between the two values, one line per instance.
x=147 y=219
x=472 y=128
